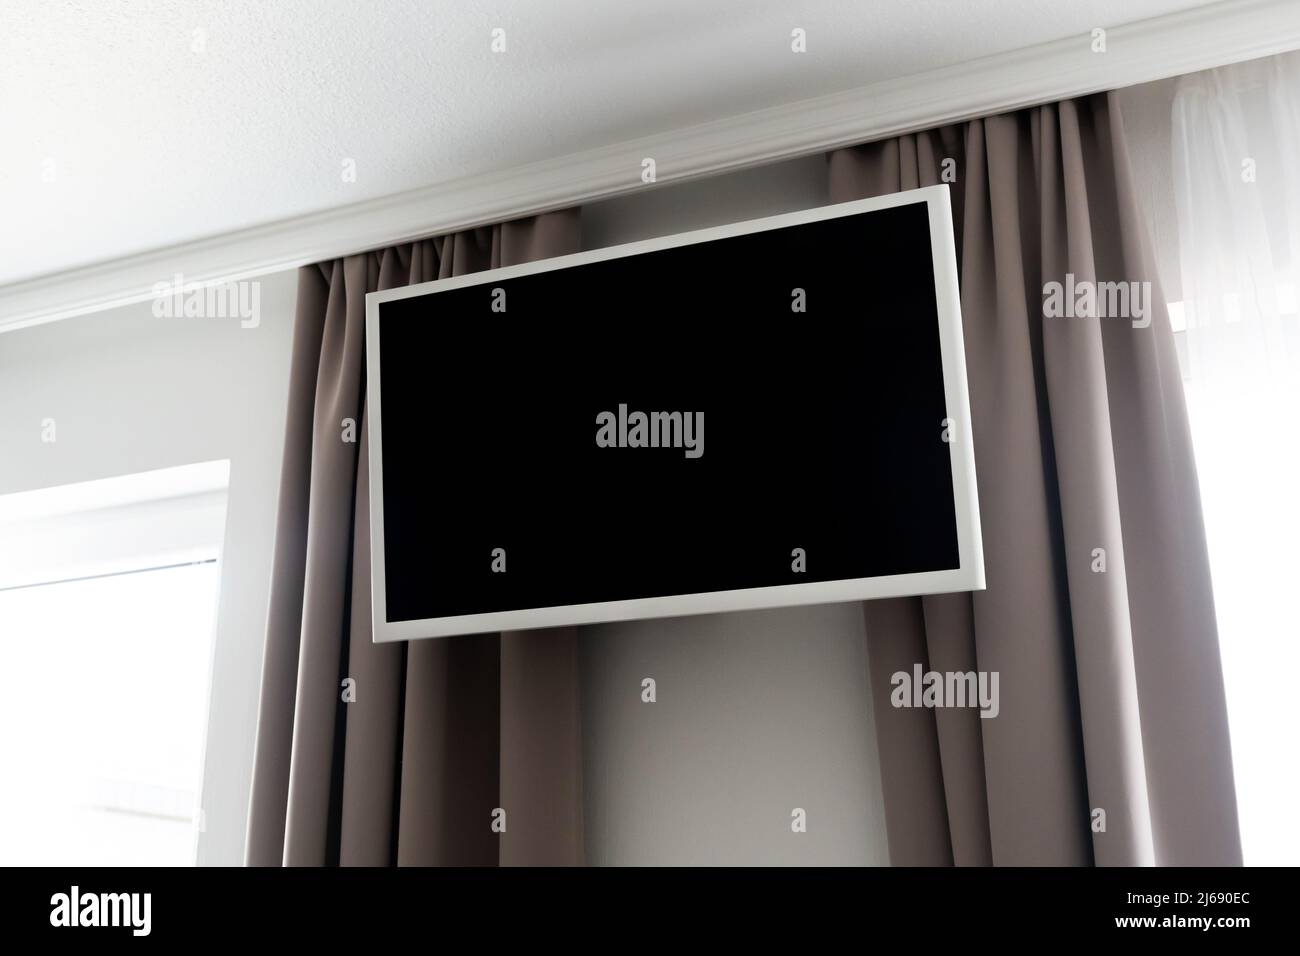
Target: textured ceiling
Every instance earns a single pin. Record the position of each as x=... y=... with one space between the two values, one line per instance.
x=131 y=126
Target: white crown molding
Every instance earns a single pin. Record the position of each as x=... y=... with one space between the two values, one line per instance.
x=1136 y=53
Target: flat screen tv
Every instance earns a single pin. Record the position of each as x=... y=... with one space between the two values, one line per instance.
x=762 y=414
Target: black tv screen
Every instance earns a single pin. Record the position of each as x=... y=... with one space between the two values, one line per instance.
x=769 y=413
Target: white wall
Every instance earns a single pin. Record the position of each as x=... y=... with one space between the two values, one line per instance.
x=757 y=713
x=129 y=393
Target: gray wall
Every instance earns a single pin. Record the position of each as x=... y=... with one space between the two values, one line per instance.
x=757 y=713
x=129 y=393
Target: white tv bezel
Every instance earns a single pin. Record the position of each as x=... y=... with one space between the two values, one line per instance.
x=967 y=576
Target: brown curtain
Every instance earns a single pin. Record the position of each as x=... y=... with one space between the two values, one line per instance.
x=441 y=732
x=1110 y=682
x=1110 y=686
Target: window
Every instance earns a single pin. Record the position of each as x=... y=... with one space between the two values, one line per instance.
x=1235 y=133
x=1247 y=463
x=107 y=605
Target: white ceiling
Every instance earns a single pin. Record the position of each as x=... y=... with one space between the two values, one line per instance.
x=123 y=129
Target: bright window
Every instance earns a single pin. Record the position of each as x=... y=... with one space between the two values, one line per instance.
x=1248 y=464
x=106 y=641
x=1235 y=133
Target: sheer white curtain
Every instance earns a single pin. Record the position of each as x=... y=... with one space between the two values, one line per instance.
x=1236 y=178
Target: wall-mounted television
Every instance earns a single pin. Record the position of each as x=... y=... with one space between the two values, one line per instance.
x=768 y=413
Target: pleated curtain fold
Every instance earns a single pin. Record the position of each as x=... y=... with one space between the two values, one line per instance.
x=1098 y=615
x=440 y=734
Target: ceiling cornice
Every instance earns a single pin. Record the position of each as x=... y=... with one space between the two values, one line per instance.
x=1152 y=49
